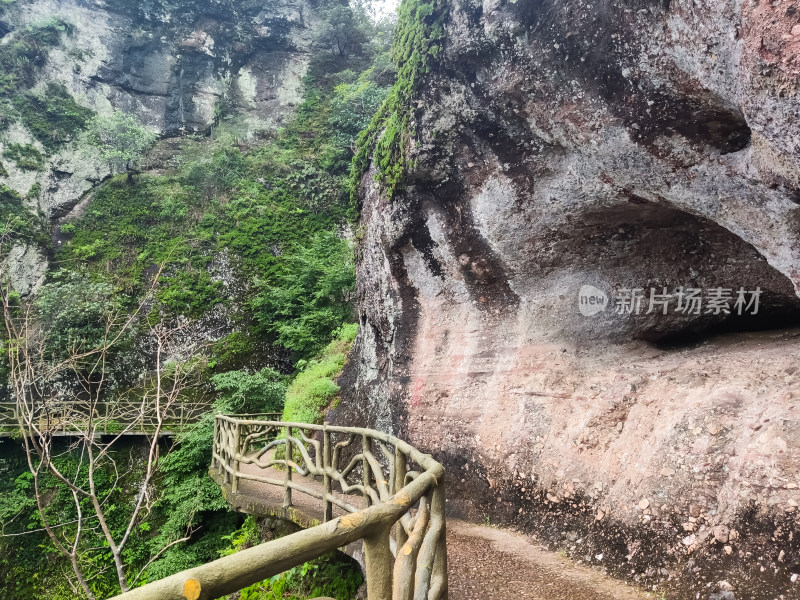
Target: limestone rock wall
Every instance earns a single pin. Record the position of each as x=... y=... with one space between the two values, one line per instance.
x=171 y=63
x=621 y=144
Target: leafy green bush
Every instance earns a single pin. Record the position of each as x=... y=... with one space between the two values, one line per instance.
x=332 y=575
x=124 y=229
x=311 y=296
x=26 y=156
x=354 y=104
x=190 y=293
x=263 y=391
x=123 y=141
x=78 y=313
x=314 y=388
x=233 y=351
x=341 y=31
x=216 y=173
x=53 y=117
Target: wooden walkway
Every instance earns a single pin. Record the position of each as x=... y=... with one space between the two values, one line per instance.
x=484 y=563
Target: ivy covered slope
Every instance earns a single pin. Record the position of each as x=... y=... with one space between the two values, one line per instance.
x=251 y=236
x=243 y=243
x=31 y=126
x=385 y=142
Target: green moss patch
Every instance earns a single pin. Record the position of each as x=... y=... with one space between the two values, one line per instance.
x=418 y=40
x=52 y=117
x=27 y=157
x=314 y=390
x=27 y=52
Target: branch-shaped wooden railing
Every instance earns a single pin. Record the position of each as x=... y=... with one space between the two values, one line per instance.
x=73 y=417
x=388 y=494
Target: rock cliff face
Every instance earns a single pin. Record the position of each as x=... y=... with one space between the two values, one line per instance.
x=174 y=64
x=624 y=145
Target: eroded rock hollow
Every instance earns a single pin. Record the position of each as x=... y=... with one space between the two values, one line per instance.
x=623 y=145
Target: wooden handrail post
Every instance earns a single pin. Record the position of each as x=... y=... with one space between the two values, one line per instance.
x=214 y=446
x=236 y=441
x=287 y=491
x=431 y=574
x=366 y=450
x=380 y=564
x=439 y=575
x=400 y=470
x=326 y=477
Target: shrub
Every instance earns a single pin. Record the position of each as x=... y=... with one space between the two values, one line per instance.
x=331 y=575
x=123 y=141
x=53 y=118
x=311 y=296
x=26 y=156
x=76 y=311
x=190 y=293
x=314 y=389
x=262 y=391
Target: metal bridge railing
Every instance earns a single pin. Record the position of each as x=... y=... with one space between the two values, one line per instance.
x=400 y=518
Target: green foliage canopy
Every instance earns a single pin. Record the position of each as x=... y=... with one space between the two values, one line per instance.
x=122 y=140
x=311 y=296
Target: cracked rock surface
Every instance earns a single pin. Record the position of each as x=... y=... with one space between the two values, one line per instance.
x=171 y=64
x=621 y=145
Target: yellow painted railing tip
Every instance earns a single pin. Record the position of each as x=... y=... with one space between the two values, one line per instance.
x=307 y=458
x=191 y=589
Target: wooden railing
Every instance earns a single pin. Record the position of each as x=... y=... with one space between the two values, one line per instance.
x=390 y=495
x=74 y=417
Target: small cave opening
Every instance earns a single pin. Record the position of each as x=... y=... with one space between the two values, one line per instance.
x=773 y=321
x=695 y=279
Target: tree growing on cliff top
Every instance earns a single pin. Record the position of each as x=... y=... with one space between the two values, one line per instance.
x=123 y=141
x=343 y=31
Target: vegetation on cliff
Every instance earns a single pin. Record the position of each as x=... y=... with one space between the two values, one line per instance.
x=244 y=245
x=385 y=142
x=314 y=389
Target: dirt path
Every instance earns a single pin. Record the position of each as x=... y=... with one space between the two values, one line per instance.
x=487 y=563
x=484 y=563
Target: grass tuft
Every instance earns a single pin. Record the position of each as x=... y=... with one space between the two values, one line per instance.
x=314 y=390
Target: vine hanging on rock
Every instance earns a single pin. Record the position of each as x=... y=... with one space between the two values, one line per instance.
x=418 y=40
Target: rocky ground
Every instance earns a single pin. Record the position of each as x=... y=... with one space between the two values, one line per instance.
x=487 y=563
